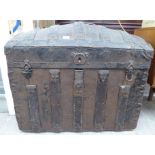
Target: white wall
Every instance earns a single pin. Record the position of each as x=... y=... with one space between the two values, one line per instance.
x=4 y=37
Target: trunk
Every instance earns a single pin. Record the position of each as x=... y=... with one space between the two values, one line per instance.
x=93 y=81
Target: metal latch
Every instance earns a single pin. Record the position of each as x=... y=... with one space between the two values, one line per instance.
x=79 y=58
x=27 y=71
x=130 y=71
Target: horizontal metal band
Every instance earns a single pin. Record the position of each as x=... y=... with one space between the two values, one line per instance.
x=105 y=65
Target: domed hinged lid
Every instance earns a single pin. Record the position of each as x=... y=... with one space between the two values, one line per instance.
x=79 y=34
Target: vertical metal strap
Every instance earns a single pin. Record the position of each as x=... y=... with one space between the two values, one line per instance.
x=78 y=98
x=55 y=98
x=136 y=97
x=100 y=100
x=33 y=107
x=122 y=106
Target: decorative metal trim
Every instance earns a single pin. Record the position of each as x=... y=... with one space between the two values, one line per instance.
x=122 y=106
x=33 y=107
x=136 y=98
x=78 y=99
x=79 y=58
x=55 y=93
x=27 y=71
x=55 y=73
x=87 y=65
x=100 y=101
x=146 y=55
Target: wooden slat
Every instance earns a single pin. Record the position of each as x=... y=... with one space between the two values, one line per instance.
x=67 y=77
x=90 y=82
x=41 y=78
x=18 y=86
x=115 y=79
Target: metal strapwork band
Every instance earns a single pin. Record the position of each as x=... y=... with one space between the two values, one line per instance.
x=100 y=100
x=32 y=98
x=55 y=98
x=124 y=91
x=78 y=98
